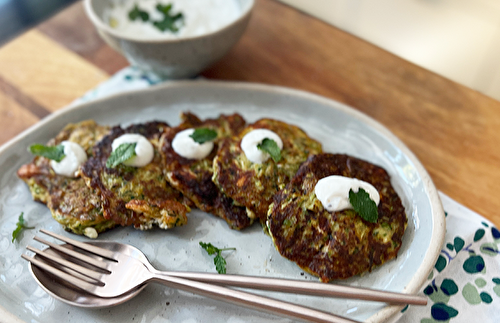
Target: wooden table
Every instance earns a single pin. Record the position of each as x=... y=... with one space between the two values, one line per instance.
x=453 y=130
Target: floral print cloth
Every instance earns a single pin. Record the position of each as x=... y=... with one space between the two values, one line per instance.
x=464 y=285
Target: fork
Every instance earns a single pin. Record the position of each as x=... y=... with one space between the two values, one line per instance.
x=116 y=273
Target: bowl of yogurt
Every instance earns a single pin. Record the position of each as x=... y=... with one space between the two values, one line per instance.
x=172 y=38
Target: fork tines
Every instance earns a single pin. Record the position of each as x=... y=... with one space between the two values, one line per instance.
x=80 y=264
x=83 y=246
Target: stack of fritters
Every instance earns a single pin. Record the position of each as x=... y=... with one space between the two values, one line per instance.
x=71 y=202
x=138 y=196
x=194 y=177
x=335 y=245
x=254 y=185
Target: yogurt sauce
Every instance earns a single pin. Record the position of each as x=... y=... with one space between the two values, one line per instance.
x=75 y=156
x=186 y=147
x=333 y=192
x=200 y=17
x=252 y=139
x=144 y=149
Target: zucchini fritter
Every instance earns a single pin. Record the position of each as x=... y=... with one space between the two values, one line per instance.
x=335 y=245
x=70 y=201
x=254 y=185
x=135 y=196
x=194 y=177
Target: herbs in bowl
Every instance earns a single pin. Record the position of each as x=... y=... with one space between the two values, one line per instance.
x=153 y=19
x=173 y=39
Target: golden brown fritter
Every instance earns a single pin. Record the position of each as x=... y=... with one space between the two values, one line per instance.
x=70 y=201
x=335 y=245
x=138 y=196
x=254 y=185
x=194 y=177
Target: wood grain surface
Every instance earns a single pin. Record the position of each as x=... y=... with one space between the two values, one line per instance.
x=453 y=130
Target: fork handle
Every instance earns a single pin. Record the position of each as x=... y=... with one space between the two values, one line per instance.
x=249 y=300
x=302 y=287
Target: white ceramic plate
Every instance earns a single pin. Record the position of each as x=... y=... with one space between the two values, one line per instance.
x=340 y=129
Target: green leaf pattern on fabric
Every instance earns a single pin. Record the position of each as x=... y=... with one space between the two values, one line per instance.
x=442 y=312
x=496 y=289
x=479 y=235
x=489 y=249
x=449 y=287
x=459 y=243
x=474 y=265
x=473 y=256
x=471 y=294
x=440 y=263
x=486 y=298
x=480 y=282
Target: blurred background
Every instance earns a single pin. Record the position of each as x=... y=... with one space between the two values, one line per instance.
x=458 y=39
x=17 y=16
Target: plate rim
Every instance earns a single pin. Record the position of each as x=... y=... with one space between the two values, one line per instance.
x=438 y=216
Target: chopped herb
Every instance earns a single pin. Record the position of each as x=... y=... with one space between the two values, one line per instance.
x=271 y=147
x=220 y=264
x=202 y=135
x=138 y=13
x=121 y=154
x=20 y=227
x=51 y=152
x=209 y=248
x=164 y=9
x=219 y=261
x=170 y=21
x=364 y=205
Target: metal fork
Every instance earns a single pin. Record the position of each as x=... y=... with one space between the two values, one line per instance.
x=118 y=273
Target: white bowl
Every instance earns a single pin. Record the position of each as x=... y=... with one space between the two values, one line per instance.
x=171 y=58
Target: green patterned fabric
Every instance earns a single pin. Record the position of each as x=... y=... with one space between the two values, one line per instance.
x=464 y=285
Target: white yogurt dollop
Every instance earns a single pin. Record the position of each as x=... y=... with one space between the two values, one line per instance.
x=75 y=156
x=144 y=151
x=252 y=139
x=186 y=147
x=333 y=192
x=200 y=17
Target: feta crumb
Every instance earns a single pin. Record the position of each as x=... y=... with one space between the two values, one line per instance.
x=90 y=232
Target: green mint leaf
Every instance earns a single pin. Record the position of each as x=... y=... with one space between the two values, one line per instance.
x=138 y=13
x=220 y=263
x=164 y=9
x=202 y=135
x=20 y=226
x=169 y=22
x=364 y=205
x=271 y=147
x=209 y=248
x=51 y=152
x=121 y=154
